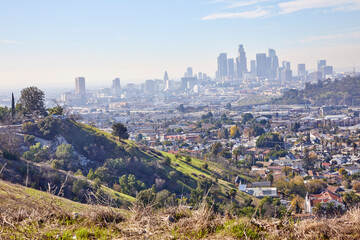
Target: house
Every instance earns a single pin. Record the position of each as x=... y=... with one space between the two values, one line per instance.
x=262 y=192
x=325 y=197
x=352 y=169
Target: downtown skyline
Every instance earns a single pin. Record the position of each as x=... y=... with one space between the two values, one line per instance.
x=44 y=43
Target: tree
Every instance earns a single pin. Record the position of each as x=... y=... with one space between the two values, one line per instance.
x=65 y=152
x=307 y=161
x=216 y=148
x=58 y=110
x=342 y=172
x=270 y=178
x=234 y=132
x=287 y=170
x=356 y=187
x=269 y=140
x=119 y=130
x=32 y=100
x=181 y=108
x=12 y=105
x=238 y=151
x=228 y=106
x=247 y=117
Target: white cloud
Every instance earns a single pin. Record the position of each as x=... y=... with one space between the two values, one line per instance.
x=8 y=41
x=245 y=3
x=351 y=35
x=334 y=5
x=248 y=14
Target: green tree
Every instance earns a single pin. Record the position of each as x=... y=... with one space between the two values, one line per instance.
x=32 y=99
x=247 y=117
x=58 y=110
x=120 y=131
x=65 y=152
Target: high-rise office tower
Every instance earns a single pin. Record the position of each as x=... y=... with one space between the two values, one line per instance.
x=272 y=64
x=253 y=67
x=261 y=64
x=320 y=63
x=222 y=66
x=80 y=85
x=302 y=73
x=116 y=83
x=150 y=86
x=326 y=70
x=286 y=65
x=241 y=64
x=231 y=68
x=189 y=72
x=166 y=76
x=116 y=87
x=200 y=75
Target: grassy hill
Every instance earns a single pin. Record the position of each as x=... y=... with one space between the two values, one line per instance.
x=107 y=160
x=31 y=214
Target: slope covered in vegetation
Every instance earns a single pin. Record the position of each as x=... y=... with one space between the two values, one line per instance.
x=345 y=91
x=77 y=160
x=30 y=214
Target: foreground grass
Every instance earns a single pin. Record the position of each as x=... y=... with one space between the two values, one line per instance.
x=30 y=214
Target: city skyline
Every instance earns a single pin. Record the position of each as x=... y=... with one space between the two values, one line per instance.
x=43 y=43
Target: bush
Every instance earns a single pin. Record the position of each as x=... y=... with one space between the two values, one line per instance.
x=29 y=140
x=173 y=175
x=10 y=156
x=188 y=159
x=29 y=127
x=205 y=166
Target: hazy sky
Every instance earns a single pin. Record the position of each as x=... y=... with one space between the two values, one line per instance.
x=49 y=42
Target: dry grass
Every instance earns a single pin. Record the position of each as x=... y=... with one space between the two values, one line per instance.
x=28 y=216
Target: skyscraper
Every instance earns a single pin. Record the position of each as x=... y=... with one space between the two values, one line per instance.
x=222 y=66
x=272 y=64
x=320 y=63
x=241 y=64
x=286 y=65
x=166 y=76
x=261 y=64
x=80 y=85
x=230 y=68
x=326 y=70
x=150 y=86
x=116 y=87
x=253 y=67
x=302 y=73
x=189 y=72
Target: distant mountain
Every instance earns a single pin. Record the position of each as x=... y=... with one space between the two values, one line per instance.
x=338 y=92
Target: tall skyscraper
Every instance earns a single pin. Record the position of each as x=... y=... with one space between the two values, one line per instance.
x=230 y=68
x=166 y=76
x=261 y=64
x=326 y=70
x=286 y=65
x=272 y=64
x=189 y=72
x=241 y=64
x=116 y=87
x=116 y=83
x=80 y=85
x=150 y=86
x=320 y=63
x=253 y=67
x=302 y=73
x=222 y=66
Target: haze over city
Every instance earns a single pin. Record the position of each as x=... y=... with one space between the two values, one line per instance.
x=45 y=42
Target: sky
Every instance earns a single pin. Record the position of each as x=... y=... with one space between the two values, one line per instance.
x=47 y=43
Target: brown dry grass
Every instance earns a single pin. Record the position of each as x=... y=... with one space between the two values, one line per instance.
x=27 y=216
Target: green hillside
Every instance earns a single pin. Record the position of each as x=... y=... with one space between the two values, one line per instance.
x=124 y=167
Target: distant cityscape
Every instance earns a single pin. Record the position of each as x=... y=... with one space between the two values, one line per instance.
x=265 y=75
